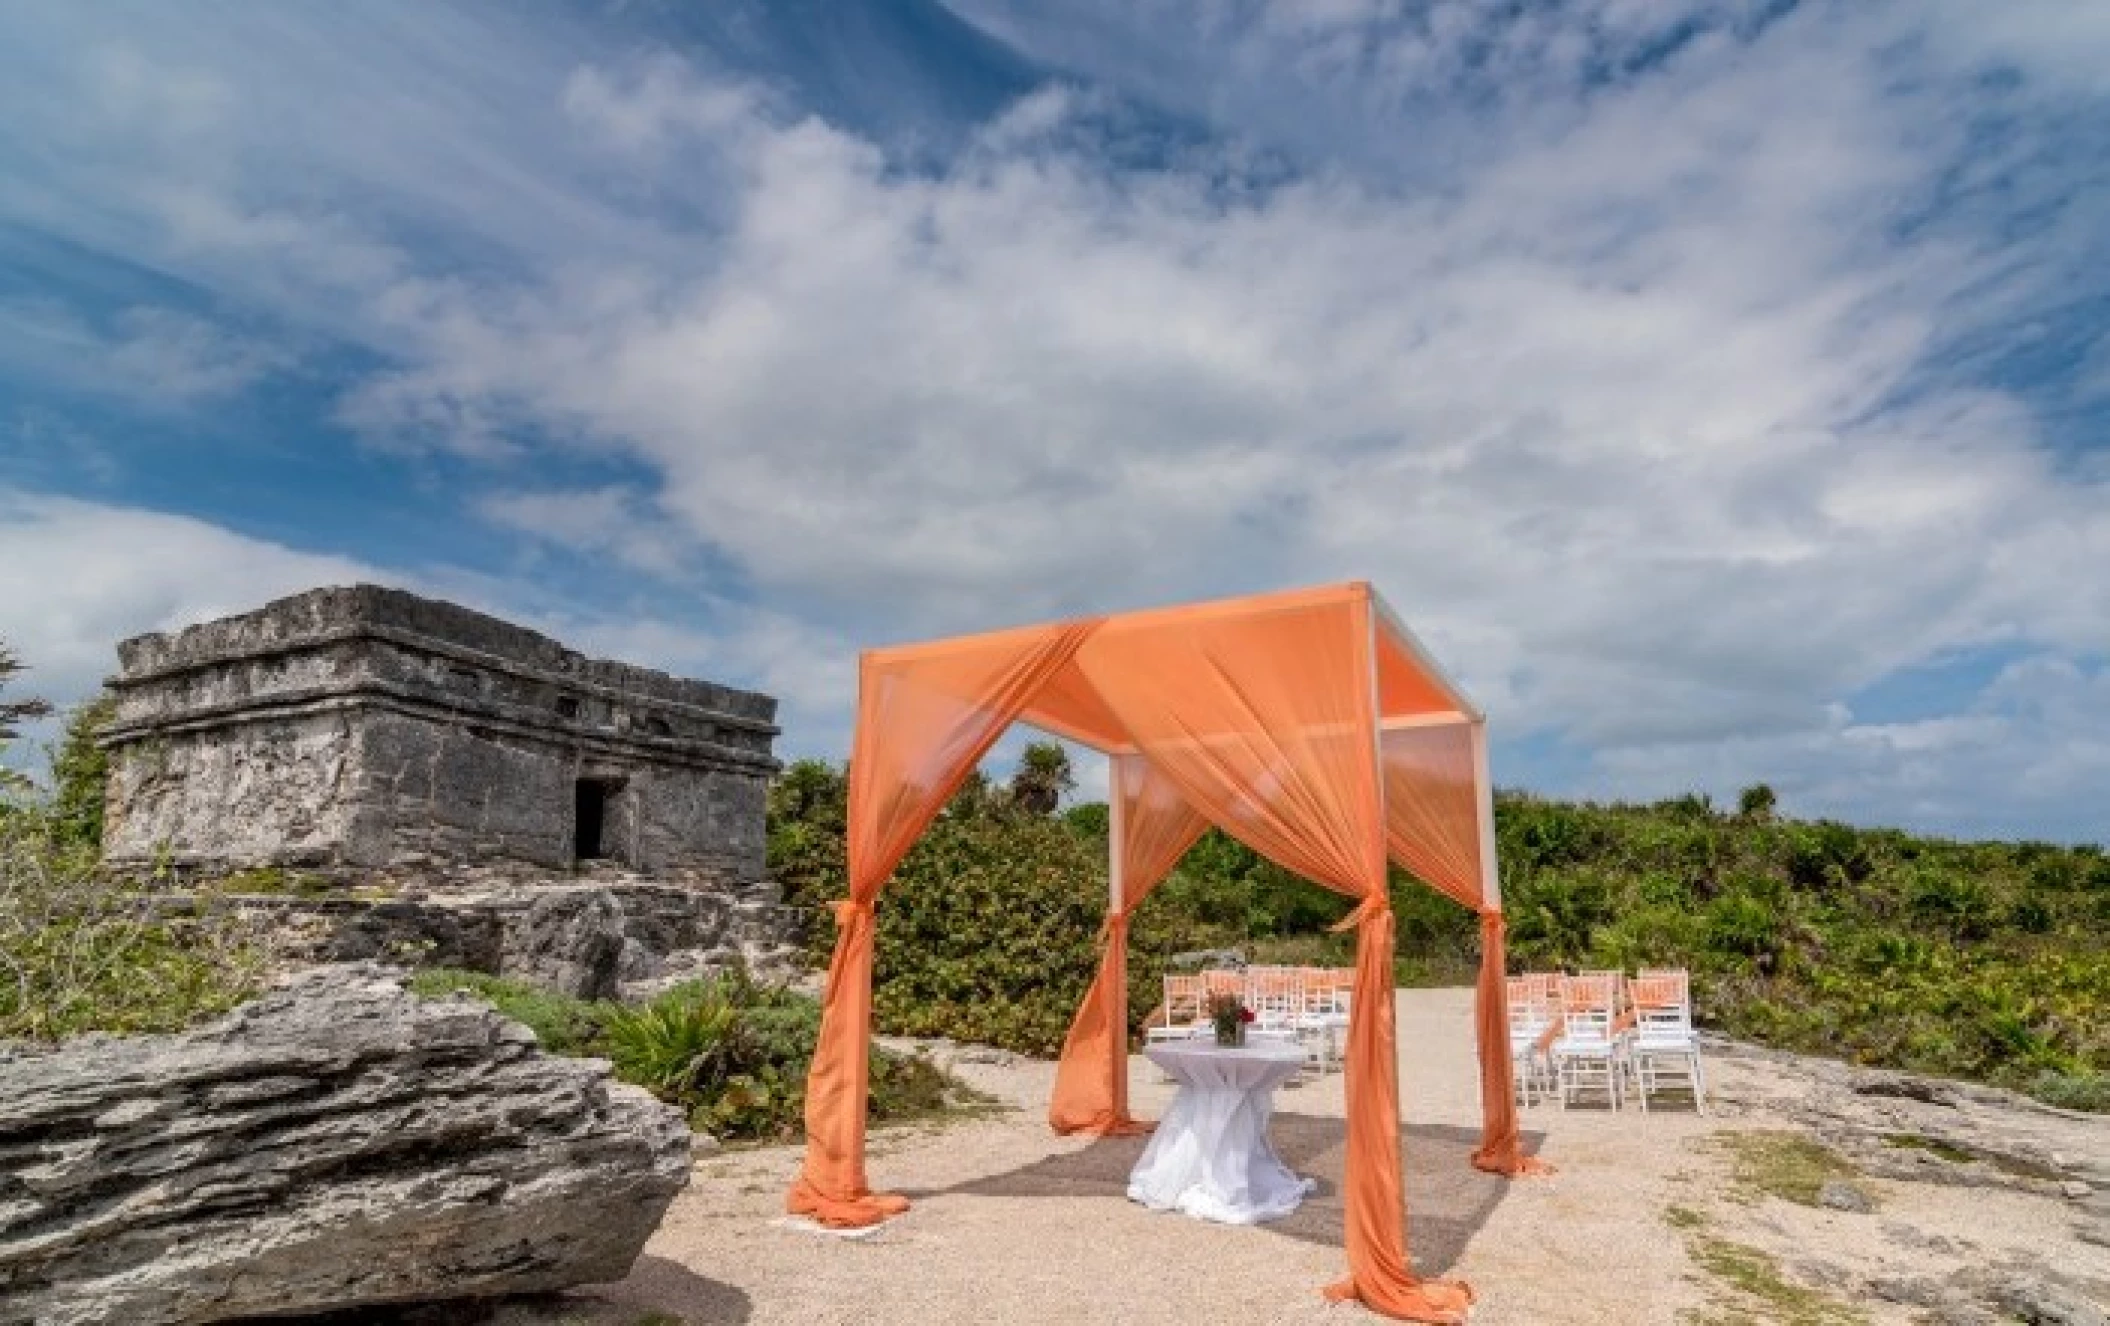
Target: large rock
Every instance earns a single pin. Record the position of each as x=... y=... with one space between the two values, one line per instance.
x=570 y=941
x=335 y=1144
x=623 y=935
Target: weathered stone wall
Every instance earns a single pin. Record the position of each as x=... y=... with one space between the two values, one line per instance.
x=367 y=727
x=277 y=793
x=444 y=792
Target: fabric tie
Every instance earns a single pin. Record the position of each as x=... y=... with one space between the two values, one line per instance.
x=846 y=911
x=1114 y=923
x=1372 y=906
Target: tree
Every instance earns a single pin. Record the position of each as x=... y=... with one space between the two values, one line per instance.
x=80 y=772
x=1043 y=776
x=13 y=712
x=1756 y=803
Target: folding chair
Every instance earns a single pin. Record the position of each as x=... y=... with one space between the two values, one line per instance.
x=1587 y=1054
x=1183 y=1011
x=1530 y=1013
x=1328 y=994
x=1664 y=1041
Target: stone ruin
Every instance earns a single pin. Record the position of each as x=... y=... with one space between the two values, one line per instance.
x=395 y=771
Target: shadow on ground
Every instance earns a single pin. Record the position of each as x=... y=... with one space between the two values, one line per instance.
x=1447 y=1199
x=657 y=1291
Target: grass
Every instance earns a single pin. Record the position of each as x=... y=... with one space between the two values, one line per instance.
x=562 y=1025
x=2073 y=1091
x=83 y=951
x=1763 y=1294
x=1786 y=1165
x=1683 y=1217
x=1955 y=1155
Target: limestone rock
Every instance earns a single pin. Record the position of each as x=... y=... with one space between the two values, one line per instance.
x=570 y=941
x=336 y=1144
x=2040 y=1302
x=1842 y=1196
x=620 y=934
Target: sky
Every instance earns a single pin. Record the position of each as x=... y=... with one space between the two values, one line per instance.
x=1720 y=390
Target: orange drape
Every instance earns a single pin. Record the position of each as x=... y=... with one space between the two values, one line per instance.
x=1150 y=828
x=1501 y=1150
x=1433 y=810
x=925 y=716
x=1266 y=721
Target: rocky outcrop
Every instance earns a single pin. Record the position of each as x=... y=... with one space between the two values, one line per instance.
x=1902 y=1128
x=570 y=941
x=592 y=940
x=338 y=1143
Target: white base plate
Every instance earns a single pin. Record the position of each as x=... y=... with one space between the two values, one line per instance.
x=808 y=1225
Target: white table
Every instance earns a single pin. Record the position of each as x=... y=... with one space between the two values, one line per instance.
x=1210 y=1156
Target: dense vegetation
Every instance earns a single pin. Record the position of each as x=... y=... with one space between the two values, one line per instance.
x=731 y=1052
x=1978 y=959
x=80 y=951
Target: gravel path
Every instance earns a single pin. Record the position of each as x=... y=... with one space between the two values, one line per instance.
x=1014 y=1225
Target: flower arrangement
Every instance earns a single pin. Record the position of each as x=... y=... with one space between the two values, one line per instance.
x=1229 y=1015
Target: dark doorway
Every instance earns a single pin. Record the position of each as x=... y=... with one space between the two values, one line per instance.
x=589 y=816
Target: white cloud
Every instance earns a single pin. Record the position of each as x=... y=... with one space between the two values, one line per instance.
x=76 y=577
x=1623 y=382
x=2025 y=757
x=615 y=521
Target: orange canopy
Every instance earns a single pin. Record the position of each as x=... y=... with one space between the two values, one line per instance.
x=1309 y=725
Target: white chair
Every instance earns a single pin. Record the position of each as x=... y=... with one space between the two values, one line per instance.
x=1322 y=1024
x=1530 y=1013
x=1276 y=996
x=1183 y=1011
x=1664 y=1042
x=1587 y=1055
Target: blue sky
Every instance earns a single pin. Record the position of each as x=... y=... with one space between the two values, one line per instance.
x=1720 y=389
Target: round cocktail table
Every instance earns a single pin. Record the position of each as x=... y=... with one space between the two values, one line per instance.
x=1210 y=1156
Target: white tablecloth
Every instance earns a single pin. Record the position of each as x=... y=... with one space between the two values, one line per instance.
x=1210 y=1156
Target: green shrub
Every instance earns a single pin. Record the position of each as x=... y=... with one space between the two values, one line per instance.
x=1739 y=923
x=730 y=1052
x=679 y=1044
x=2073 y=1091
x=81 y=951
x=987 y=934
x=1978 y=959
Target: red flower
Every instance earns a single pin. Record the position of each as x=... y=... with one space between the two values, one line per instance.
x=1245 y=1015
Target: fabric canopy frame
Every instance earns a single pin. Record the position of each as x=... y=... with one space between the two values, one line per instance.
x=1308 y=724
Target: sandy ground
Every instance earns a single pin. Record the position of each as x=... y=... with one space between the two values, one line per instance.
x=1013 y=1225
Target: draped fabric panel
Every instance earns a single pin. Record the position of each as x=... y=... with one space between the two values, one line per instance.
x=1501 y=1150
x=1432 y=807
x=1150 y=828
x=1433 y=810
x=1265 y=719
x=925 y=716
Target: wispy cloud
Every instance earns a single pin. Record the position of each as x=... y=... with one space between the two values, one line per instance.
x=1654 y=358
x=152 y=356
